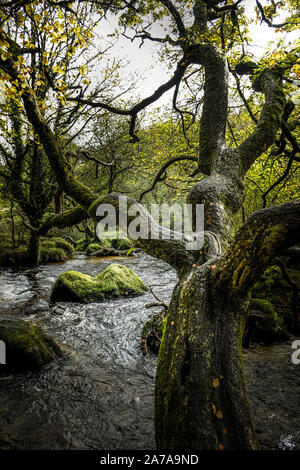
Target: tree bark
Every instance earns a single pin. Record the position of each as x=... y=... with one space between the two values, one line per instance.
x=200 y=393
x=32 y=255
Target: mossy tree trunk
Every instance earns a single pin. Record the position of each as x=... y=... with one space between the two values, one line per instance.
x=200 y=400
x=200 y=393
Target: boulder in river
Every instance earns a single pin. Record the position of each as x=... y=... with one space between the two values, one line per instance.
x=27 y=346
x=115 y=281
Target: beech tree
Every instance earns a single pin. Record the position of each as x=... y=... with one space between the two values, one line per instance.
x=200 y=395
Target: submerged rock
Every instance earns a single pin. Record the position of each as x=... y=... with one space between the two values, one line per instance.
x=115 y=281
x=27 y=345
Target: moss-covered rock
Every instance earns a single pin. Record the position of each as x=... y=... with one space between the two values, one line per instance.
x=117 y=240
x=273 y=287
x=121 y=243
x=270 y=327
x=58 y=242
x=54 y=250
x=115 y=281
x=52 y=255
x=27 y=345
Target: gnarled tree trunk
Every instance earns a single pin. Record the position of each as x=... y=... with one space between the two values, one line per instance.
x=200 y=394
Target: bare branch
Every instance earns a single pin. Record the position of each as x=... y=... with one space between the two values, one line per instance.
x=176 y=16
x=163 y=169
x=266 y=20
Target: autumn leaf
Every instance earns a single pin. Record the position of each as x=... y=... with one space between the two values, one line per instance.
x=216 y=383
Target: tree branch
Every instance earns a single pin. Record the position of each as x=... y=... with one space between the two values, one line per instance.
x=177 y=76
x=215 y=104
x=176 y=16
x=269 y=121
x=163 y=169
x=266 y=20
x=65 y=219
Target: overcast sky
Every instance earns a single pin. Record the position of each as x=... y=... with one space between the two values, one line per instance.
x=143 y=60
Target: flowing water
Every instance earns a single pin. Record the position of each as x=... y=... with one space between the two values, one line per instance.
x=99 y=394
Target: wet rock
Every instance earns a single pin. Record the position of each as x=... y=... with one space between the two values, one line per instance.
x=115 y=281
x=27 y=345
x=274 y=395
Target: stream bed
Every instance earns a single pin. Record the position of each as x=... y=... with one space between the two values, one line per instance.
x=99 y=394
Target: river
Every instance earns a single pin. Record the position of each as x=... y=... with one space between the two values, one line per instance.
x=99 y=394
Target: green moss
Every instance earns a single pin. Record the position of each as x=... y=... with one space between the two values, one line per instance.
x=51 y=254
x=92 y=248
x=274 y=288
x=27 y=345
x=121 y=243
x=270 y=327
x=58 y=242
x=54 y=250
x=115 y=281
x=82 y=244
x=117 y=240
